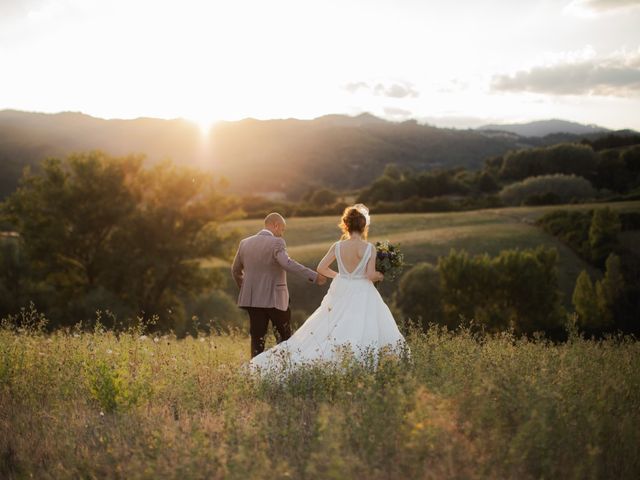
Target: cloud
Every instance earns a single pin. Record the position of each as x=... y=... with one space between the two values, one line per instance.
x=395 y=90
x=591 y=7
x=397 y=113
x=617 y=75
x=19 y=8
x=392 y=90
x=355 y=86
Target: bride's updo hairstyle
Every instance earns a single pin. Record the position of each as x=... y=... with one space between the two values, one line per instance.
x=353 y=221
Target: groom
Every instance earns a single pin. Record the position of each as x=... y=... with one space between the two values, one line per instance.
x=259 y=269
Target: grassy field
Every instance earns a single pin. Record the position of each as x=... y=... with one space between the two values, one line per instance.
x=97 y=405
x=131 y=405
x=425 y=237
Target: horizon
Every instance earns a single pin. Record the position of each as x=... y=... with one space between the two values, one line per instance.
x=353 y=116
x=452 y=66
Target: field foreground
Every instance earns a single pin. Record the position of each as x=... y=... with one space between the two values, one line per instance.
x=97 y=405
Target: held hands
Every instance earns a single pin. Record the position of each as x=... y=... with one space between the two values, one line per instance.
x=321 y=279
x=377 y=277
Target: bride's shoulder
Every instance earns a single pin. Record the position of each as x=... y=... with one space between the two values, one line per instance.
x=365 y=247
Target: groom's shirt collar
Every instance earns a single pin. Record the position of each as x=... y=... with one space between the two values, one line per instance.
x=264 y=230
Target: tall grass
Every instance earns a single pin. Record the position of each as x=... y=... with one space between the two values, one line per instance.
x=104 y=405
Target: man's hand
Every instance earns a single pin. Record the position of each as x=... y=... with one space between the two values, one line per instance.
x=321 y=279
x=378 y=276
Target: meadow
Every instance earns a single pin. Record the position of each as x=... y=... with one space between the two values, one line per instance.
x=132 y=405
x=424 y=237
x=78 y=403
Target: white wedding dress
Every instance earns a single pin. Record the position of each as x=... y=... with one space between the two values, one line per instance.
x=352 y=316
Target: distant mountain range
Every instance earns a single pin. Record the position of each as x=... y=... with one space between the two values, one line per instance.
x=542 y=128
x=336 y=151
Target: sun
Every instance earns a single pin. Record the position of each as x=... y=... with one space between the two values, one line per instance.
x=203 y=122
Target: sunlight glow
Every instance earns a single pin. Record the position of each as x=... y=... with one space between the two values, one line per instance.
x=228 y=60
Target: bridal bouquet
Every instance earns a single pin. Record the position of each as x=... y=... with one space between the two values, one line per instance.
x=389 y=260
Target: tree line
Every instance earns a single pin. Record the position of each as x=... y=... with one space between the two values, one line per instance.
x=96 y=232
x=603 y=169
x=536 y=176
x=611 y=302
x=518 y=289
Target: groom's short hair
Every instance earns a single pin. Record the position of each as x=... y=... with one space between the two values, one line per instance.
x=273 y=218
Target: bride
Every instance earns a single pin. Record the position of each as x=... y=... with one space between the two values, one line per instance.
x=352 y=316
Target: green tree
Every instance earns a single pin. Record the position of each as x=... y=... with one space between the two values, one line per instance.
x=610 y=291
x=603 y=234
x=585 y=302
x=564 y=188
x=568 y=159
x=486 y=183
x=598 y=306
x=419 y=297
x=517 y=289
x=67 y=214
x=392 y=171
x=16 y=288
x=175 y=225
x=612 y=173
x=527 y=294
x=465 y=282
x=631 y=159
x=104 y=232
x=323 y=197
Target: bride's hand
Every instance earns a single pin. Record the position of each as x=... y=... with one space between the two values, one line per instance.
x=378 y=276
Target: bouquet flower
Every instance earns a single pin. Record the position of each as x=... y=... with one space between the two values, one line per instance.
x=389 y=260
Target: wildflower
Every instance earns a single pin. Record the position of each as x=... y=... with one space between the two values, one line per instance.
x=109 y=351
x=101 y=413
x=156 y=339
x=202 y=339
x=143 y=338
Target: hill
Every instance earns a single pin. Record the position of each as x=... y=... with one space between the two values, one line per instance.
x=543 y=128
x=424 y=237
x=27 y=138
x=258 y=156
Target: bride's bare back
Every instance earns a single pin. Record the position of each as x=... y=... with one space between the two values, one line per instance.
x=351 y=253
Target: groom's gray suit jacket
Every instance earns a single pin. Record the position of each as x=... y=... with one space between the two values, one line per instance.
x=260 y=270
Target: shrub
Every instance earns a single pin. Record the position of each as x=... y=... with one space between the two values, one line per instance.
x=585 y=303
x=565 y=187
x=598 y=305
x=564 y=158
x=603 y=234
x=215 y=312
x=419 y=296
x=571 y=227
x=516 y=290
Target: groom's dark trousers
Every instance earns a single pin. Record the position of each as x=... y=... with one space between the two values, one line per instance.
x=259 y=323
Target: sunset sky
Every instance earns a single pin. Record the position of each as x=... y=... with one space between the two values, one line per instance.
x=450 y=63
